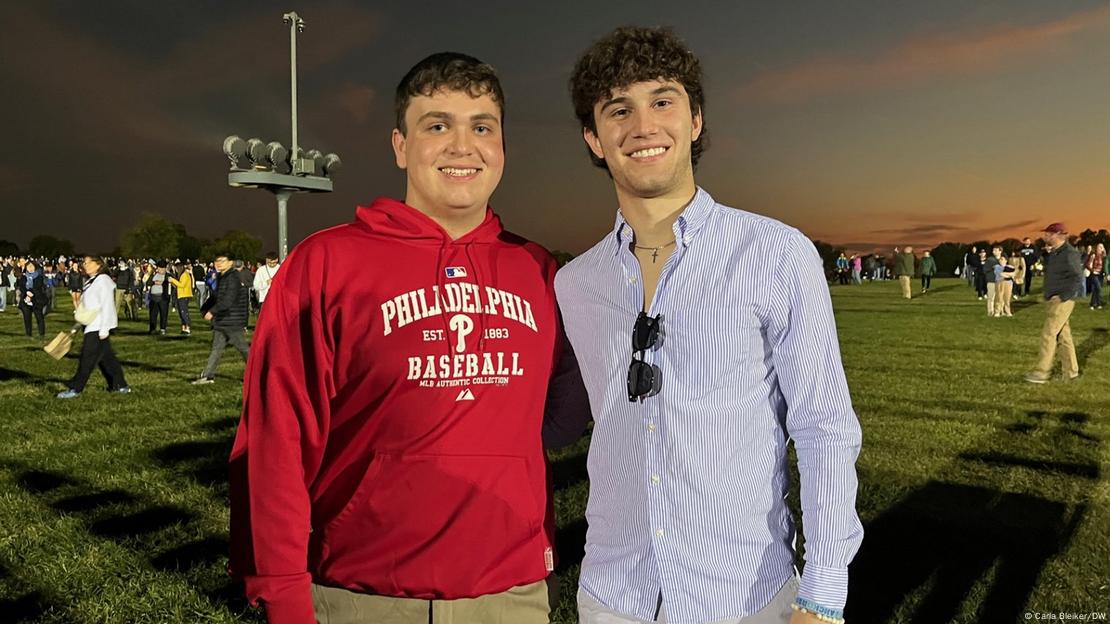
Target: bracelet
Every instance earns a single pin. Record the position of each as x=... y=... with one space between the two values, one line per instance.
x=823 y=614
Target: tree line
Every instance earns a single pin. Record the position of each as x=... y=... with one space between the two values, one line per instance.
x=153 y=237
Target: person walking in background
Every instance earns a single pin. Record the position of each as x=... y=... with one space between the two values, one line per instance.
x=75 y=281
x=1005 y=274
x=1063 y=276
x=98 y=298
x=842 y=269
x=183 y=283
x=228 y=312
x=5 y=277
x=857 y=269
x=970 y=259
x=872 y=268
x=1029 y=255
x=904 y=269
x=264 y=277
x=32 y=297
x=1020 y=270
x=928 y=270
x=51 y=279
x=1094 y=271
x=978 y=278
x=992 y=277
x=125 y=292
x=200 y=287
x=159 y=298
x=246 y=278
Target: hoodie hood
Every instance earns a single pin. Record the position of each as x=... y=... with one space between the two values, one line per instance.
x=396 y=219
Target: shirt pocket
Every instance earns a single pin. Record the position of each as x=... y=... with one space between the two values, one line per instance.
x=716 y=347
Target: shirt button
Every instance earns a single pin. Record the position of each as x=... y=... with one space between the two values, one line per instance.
x=632 y=280
x=651 y=426
x=655 y=478
x=659 y=532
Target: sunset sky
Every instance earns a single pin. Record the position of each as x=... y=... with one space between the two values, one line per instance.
x=866 y=124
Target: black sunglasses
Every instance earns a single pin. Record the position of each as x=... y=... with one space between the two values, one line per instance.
x=644 y=379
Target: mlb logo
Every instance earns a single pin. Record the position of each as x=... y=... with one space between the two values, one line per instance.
x=455 y=271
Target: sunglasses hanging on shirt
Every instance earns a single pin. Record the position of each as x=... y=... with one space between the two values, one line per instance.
x=644 y=379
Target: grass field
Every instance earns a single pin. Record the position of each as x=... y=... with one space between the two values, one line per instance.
x=984 y=497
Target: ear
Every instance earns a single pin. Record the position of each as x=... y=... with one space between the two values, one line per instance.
x=399 y=142
x=593 y=142
x=696 y=127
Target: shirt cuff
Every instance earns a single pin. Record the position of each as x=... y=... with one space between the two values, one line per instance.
x=294 y=607
x=825 y=586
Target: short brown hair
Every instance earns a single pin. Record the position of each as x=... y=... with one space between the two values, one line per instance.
x=451 y=71
x=633 y=54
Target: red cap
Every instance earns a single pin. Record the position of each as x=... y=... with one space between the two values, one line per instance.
x=1056 y=228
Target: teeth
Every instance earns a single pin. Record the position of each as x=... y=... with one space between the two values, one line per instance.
x=458 y=173
x=645 y=153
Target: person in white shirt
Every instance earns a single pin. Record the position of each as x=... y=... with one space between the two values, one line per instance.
x=97 y=313
x=263 y=276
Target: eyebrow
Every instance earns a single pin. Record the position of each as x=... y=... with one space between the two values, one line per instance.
x=449 y=117
x=625 y=99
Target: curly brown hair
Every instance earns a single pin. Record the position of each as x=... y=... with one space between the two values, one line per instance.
x=632 y=54
x=447 y=70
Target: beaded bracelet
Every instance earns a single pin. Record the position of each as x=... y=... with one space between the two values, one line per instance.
x=820 y=616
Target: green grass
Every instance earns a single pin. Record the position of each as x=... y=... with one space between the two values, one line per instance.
x=983 y=496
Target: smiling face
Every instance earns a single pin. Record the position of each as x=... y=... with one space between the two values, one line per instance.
x=644 y=133
x=453 y=153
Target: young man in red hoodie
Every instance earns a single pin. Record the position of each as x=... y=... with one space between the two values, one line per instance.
x=388 y=466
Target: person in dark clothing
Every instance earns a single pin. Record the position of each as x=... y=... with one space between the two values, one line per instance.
x=31 y=289
x=1031 y=255
x=124 y=296
x=159 y=298
x=75 y=282
x=228 y=312
x=1063 y=283
x=978 y=268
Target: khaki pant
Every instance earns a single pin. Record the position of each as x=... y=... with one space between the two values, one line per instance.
x=1056 y=331
x=526 y=604
x=905 y=281
x=778 y=611
x=992 y=299
x=1002 y=298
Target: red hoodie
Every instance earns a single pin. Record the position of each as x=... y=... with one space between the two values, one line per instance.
x=390 y=435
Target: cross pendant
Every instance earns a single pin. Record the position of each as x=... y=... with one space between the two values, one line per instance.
x=654 y=255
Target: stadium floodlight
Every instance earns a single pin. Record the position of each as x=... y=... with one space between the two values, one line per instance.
x=236 y=150
x=273 y=167
x=276 y=154
x=256 y=152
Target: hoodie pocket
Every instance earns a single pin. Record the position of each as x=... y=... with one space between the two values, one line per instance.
x=431 y=525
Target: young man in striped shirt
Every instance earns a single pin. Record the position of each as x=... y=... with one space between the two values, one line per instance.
x=733 y=354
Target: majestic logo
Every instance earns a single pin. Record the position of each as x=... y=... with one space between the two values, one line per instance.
x=454 y=272
x=465 y=395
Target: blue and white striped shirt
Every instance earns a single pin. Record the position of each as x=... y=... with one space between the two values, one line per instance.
x=687 y=488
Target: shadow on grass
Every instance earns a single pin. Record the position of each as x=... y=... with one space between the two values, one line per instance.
x=26 y=606
x=128 y=520
x=945 y=540
x=1096 y=340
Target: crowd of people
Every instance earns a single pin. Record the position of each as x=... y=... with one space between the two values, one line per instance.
x=225 y=291
x=999 y=275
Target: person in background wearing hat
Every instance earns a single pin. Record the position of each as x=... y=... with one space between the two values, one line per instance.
x=1063 y=276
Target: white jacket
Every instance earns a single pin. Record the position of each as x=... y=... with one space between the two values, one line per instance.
x=100 y=294
x=262 y=278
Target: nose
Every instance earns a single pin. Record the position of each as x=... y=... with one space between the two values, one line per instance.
x=462 y=142
x=644 y=123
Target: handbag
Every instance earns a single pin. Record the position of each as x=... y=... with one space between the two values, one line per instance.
x=84 y=315
x=60 y=345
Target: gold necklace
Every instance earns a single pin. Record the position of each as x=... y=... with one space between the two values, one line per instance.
x=655 y=250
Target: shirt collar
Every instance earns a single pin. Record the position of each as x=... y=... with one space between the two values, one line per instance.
x=686 y=227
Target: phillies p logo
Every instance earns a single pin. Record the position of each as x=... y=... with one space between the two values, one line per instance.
x=462 y=326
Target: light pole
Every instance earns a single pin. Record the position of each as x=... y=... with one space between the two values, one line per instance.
x=268 y=162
